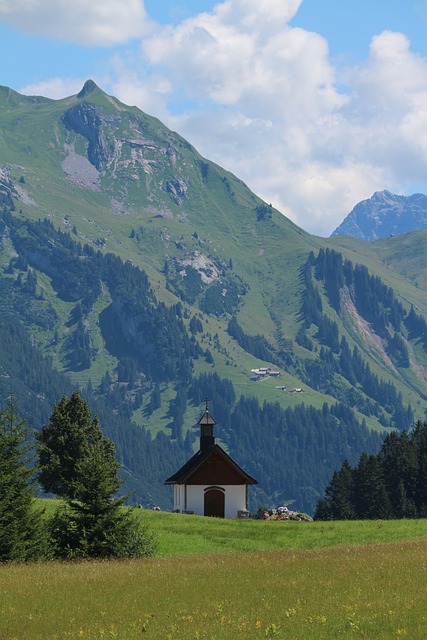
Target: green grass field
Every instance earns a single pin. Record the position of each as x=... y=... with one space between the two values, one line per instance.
x=218 y=579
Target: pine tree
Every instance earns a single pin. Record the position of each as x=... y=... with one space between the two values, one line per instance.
x=419 y=437
x=323 y=510
x=338 y=504
x=398 y=458
x=341 y=489
x=371 y=499
x=94 y=523
x=22 y=532
x=62 y=444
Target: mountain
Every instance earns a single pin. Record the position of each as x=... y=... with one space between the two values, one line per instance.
x=384 y=215
x=150 y=278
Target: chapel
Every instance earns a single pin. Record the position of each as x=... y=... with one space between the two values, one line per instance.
x=211 y=483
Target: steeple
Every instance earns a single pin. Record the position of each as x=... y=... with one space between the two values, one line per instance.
x=206 y=423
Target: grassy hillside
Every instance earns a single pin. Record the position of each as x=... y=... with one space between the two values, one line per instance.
x=399 y=260
x=188 y=535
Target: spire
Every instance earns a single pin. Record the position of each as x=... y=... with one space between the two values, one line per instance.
x=206 y=423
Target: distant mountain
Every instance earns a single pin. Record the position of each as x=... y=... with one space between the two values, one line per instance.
x=384 y=215
x=150 y=278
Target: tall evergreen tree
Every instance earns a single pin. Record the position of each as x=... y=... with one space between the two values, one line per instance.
x=420 y=441
x=63 y=442
x=391 y=484
x=22 y=533
x=94 y=523
x=340 y=493
x=399 y=461
x=371 y=499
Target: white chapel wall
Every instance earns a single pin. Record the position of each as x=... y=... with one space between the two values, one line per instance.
x=235 y=499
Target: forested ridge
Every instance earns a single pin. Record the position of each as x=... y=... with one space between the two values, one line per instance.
x=290 y=451
x=159 y=341
x=377 y=305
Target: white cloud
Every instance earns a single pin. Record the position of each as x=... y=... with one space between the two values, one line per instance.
x=55 y=88
x=387 y=118
x=245 y=53
x=97 y=22
x=264 y=100
x=279 y=124
x=269 y=108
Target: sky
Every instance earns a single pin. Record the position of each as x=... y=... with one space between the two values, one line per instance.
x=314 y=104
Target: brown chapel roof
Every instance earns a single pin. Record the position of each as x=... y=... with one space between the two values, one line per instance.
x=202 y=456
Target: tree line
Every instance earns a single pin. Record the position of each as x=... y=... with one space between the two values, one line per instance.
x=76 y=462
x=391 y=484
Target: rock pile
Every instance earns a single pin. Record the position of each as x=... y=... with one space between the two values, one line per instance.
x=283 y=513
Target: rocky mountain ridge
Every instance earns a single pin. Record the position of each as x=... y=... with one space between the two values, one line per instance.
x=383 y=215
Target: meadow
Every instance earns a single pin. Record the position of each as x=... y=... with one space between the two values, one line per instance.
x=216 y=579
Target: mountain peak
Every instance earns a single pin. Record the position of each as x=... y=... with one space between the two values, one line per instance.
x=383 y=215
x=88 y=87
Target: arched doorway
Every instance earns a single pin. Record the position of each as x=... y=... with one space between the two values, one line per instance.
x=215 y=502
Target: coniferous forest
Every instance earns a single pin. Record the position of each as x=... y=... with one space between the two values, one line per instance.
x=391 y=484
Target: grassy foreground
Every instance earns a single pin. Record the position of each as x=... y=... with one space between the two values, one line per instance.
x=218 y=579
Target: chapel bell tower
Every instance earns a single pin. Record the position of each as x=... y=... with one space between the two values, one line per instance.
x=207 y=423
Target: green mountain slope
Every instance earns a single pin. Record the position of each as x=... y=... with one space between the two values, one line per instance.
x=151 y=278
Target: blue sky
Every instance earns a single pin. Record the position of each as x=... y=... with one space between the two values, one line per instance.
x=314 y=104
